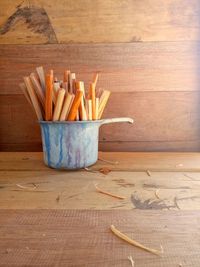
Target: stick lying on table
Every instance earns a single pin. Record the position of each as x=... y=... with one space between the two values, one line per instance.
x=133 y=242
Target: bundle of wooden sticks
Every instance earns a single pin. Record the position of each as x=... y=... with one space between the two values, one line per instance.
x=65 y=100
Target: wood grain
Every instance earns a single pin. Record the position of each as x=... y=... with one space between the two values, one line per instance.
x=94 y=21
x=169 y=125
x=62 y=235
x=168 y=66
x=49 y=189
x=126 y=161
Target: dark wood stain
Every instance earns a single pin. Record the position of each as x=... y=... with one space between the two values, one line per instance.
x=37 y=21
x=164 y=187
x=123 y=183
x=148 y=204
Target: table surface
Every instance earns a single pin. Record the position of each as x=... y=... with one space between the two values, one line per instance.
x=57 y=218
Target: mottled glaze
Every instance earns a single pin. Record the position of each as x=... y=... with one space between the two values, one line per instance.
x=72 y=145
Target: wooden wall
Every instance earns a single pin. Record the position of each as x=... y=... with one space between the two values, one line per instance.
x=147 y=52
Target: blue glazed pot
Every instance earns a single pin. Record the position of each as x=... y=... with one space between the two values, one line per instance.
x=72 y=145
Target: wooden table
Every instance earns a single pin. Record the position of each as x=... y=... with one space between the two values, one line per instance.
x=57 y=218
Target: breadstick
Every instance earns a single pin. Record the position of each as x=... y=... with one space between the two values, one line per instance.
x=49 y=97
x=75 y=105
x=33 y=98
x=40 y=72
x=66 y=106
x=59 y=104
x=103 y=101
x=92 y=95
x=38 y=89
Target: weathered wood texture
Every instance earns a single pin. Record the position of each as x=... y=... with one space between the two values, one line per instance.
x=125 y=161
x=170 y=120
x=80 y=21
x=84 y=238
x=155 y=83
x=159 y=66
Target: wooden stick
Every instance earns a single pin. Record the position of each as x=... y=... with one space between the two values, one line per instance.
x=66 y=106
x=89 y=109
x=103 y=101
x=66 y=76
x=70 y=85
x=59 y=104
x=75 y=105
x=33 y=98
x=92 y=94
x=38 y=89
x=96 y=77
x=82 y=110
x=49 y=97
x=40 y=72
x=107 y=193
x=97 y=108
x=73 y=76
x=24 y=90
x=133 y=242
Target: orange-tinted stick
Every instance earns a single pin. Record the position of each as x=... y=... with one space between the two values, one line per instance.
x=75 y=106
x=49 y=97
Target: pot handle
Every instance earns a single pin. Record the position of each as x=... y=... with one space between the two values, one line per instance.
x=113 y=120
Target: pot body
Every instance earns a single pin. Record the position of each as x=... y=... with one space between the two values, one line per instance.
x=70 y=145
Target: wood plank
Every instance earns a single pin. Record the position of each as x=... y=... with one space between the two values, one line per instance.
x=52 y=237
x=49 y=189
x=170 y=125
x=126 y=161
x=168 y=66
x=86 y=22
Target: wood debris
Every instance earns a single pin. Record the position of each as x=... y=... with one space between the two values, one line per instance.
x=27 y=187
x=131 y=260
x=104 y=170
x=107 y=193
x=148 y=173
x=156 y=193
x=133 y=242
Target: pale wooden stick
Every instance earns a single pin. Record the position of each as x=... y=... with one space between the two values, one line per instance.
x=38 y=89
x=73 y=76
x=103 y=101
x=49 y=97
x=66 y=106
x=92 y=94
x=33 y=98
x=70 y=85
x=59 y=104
x=107 y=193
x=40 y=72
x=133 y=242
x=75 y=105
x=89 y=109
x=96 y=77
x=97 y=108
x=24 y=90
x=82 y=110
